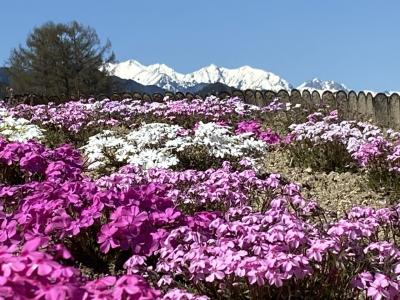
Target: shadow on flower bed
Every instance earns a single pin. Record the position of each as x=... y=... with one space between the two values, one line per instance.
x=385 y=181
x=326 y=157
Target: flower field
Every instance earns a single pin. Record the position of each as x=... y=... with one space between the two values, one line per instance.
x=172 y=200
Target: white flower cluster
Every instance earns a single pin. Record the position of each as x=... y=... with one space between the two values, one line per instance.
x=18 y=129
x=142 y=147
x=219 y=141
x=156 y=145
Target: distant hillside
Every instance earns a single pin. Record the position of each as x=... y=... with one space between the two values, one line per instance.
x=119 y=85
x=317 y=84
x=128 y=85
x=214 y=88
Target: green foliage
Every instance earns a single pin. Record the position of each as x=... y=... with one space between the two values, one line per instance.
x=61 y=59
x=3 y=90
x=4 y=82
x=55 y=137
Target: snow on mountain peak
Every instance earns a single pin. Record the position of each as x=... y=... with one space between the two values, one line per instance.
x=245 y=77
x=165 y=77
x=322 y=85
x=133 y=62
x=212 y=66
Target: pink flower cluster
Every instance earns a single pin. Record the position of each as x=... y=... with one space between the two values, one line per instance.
x=368 y=145
x=31 y=160
x=255 y=127
x=380 y=152
x=140 y=223
x=34 y=274
x=218 y=189
x=263 y=248
x=164 y=234
x=42 y=218
x=75 y=116
x=277 y=248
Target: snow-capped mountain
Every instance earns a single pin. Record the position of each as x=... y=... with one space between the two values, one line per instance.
x=322 y=85
x=165 y=77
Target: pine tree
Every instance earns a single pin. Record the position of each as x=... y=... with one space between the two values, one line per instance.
x=63 y=60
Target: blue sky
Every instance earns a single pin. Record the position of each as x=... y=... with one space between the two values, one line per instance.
x=355 y=42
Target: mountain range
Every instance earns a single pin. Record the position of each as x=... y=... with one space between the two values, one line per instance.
x=167 y=78
x=132 y=76
x=321 y=85
x=242 y=78
x=215 y=79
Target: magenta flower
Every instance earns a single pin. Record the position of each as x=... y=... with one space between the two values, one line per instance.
x=216 y=271
x=106 y=238
x=379 y=288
